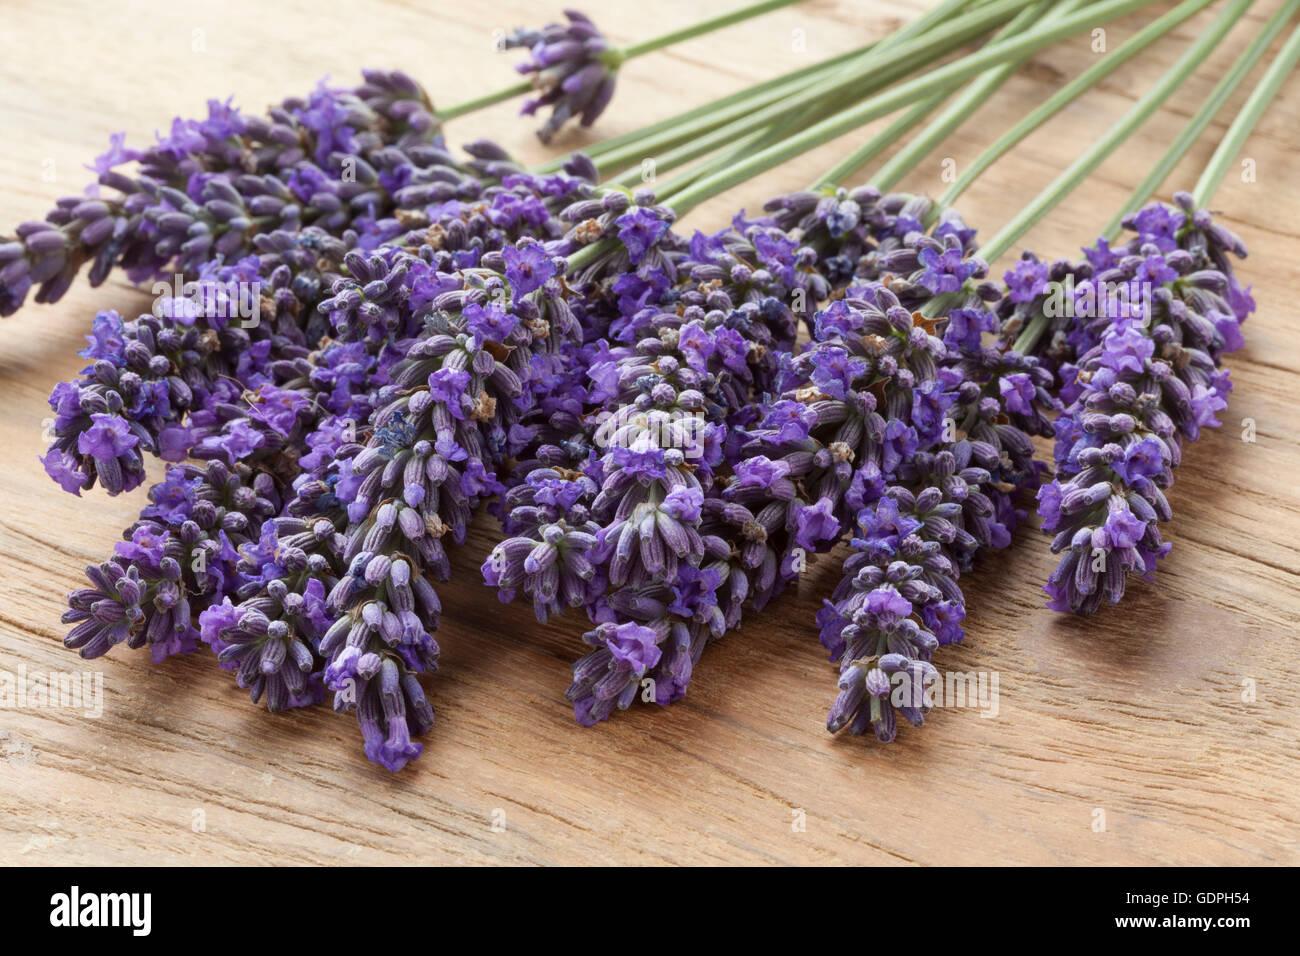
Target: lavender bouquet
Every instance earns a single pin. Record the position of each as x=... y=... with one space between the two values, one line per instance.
x=370 y=336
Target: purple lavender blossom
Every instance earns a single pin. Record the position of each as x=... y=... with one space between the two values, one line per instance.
x=210 y=186
x=573 y=68
x=1142 y=385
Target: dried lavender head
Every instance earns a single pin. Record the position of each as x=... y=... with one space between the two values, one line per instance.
x=551 y=538
x=211 y=186
x=1149 y=380
x=860 y=234
x=697 y=353
x=183 y=551
x=146 y=377
x=1063 y=308
x=951 y=495
x=898 y=599
x=573 y=67
x=631 y=233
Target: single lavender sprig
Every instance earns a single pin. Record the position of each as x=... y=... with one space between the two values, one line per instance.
x=417 y=481
x=899 y=599
x=1149 y=379
x=573 y=67
x=1058 y=310
x=184 y=548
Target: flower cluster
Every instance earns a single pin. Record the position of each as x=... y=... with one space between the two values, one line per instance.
x=573 y=69
x=698 y=331
x=434 y=332
x=898 y=600
x=803 y=442
x=183 y=553
x=367 y=338
x=334 y=159
x=1147 y=377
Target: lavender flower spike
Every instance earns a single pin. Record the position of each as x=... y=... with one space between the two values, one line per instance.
x=1149 y=380
x=573 y=68
x=214 y=184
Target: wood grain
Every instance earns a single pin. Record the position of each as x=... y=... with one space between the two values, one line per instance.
x=1137 y=713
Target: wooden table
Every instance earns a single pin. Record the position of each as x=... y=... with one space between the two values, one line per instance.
x=1134 y=718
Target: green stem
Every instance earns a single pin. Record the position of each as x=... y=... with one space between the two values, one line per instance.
x=873 y=70
x=1084 y=81
x=589 y=254
x=869 y=150
x=1231 y=80
x=488 y=99
x=741 y=100
x=707 y=26
x=749 y=144
x=1235 y=138
x=1150 y=101
x=905 y=93
x=664 y=143
x=967 y=101
x=779 y=130
x=1027 y=339
x=881 y=141
x=689 y=145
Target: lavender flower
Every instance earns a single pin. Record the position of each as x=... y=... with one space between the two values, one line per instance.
x=552 y=536
x=333 y=159
x=573 y=67
x=272 y=408
x=183 y=551
x=1148 y=378
x=147 y=374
